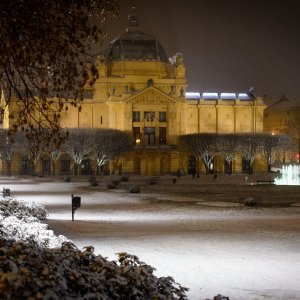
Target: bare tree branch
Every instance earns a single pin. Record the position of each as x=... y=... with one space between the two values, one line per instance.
x=46 y=52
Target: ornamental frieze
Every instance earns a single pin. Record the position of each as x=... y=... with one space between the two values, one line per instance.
x=150 y=98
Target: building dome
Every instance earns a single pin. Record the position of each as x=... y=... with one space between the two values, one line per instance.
x=135 y=45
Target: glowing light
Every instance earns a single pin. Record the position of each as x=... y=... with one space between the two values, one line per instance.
x=244 y=96
x=290 y=175
x=210 y=96
x=228 y=96
x=215 y=96
x=192 y=95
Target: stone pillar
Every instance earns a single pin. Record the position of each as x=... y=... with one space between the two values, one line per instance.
x=143 y=165
x=174 y=161
x=156 y=162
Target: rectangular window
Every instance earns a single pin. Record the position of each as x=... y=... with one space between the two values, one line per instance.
x=149 y=135
x=149 y=116
x=162 y=135
x=136 y=116
x=162 y=116
x=101 y=120
x=136 y=134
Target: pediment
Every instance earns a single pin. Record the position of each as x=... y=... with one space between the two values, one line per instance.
x=151 y=96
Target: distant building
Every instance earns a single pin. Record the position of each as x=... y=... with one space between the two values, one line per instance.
x=283 y=117
x=140 y=90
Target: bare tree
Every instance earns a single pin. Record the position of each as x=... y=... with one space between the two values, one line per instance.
x=110 y=144
x=47 y=57
x=8 y=145
x=250 y=145
x=271 y=146
x=293 y=130
x=79 y=145
x=55 y=149
x=203 y=145
x=32 y=147
x=227 y=146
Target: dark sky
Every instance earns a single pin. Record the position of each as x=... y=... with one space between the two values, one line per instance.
x=228 y=45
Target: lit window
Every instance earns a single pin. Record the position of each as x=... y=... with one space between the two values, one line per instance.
x=136 y=116
x=136 y=135
x=149 y=116
x=162 y=135
x=228 y=96
x=149 y=135
x=210 y=96
x=192 y=95
x=162 y=116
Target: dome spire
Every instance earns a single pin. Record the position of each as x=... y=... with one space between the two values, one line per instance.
x=133 y=19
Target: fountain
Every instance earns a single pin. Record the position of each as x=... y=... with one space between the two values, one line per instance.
x=290 y=175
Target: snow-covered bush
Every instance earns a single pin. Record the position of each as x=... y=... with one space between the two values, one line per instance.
x=134 y=189
x=23 y=222
x=28 y=271
x=111 y=186
x=93 y=181
x=124 y=178
x=36 y=264
x=22 y=211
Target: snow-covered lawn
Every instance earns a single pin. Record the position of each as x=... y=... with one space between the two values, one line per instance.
x=243 y=253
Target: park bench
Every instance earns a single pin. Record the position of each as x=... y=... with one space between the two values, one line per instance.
x=264 y=182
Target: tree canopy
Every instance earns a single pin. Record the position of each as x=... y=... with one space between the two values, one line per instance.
x=47 y=52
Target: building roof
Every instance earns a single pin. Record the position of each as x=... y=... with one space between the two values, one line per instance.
x=283 y=104
x=134 y=44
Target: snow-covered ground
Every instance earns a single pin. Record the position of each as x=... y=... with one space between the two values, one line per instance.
x=239 y=252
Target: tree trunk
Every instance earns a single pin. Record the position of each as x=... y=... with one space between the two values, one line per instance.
x=207 y=171
x=31 y=168
x=8 y=168
x=76 y=168
x=53 y=168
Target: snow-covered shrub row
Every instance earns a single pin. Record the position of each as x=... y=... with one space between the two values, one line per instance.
x=34 y=263
x=28 y=271
x=12 y=207
x=23 y=221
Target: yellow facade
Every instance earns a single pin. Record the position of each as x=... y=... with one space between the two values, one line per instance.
x=142 y=92
x=283 y=117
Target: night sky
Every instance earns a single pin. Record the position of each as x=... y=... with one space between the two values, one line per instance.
x=228 y=46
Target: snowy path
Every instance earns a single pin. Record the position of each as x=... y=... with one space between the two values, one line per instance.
x=238 y=252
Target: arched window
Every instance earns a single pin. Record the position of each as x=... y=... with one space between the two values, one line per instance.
x=65 y=164
x=46 y=165
x=26 y=166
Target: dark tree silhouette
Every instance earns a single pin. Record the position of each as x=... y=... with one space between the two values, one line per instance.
x=46 y=58
x=227 y=146
x=8 y=145
x=203 y=145
x=110 y=144
x=250 y=144
x=271 y=147
x=79 y=146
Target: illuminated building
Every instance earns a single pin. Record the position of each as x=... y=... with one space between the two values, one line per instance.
x=140 y=90
x=283 y=117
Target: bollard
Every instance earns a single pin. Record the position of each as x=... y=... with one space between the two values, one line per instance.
x=76 y=202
